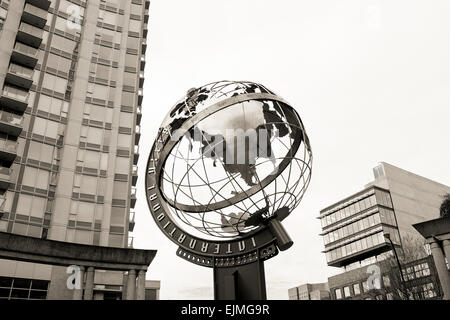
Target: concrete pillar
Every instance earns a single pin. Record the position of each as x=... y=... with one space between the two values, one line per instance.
x=439 y=261
x=89 y=289
x=131 y=286
x=446 y=247
x=78 y=293
x=124 y=286
x=140 y=295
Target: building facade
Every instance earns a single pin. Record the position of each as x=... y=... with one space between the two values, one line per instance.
x=71 y=79
x=421 y=282
x=437 y=234
x=310 y=291
x=355 y=229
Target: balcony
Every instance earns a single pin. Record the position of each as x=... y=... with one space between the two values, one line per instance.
x=8 y=150
x=133 y=197
x=134 y=175
x=141 y=79
x=132 y=223
x=24 y=55
x=10 y=123
x=43 y=4
x=140 y=96
x=14 y=98
x=137 y=135
x=145 y=30
x=34 y=15
x=30 y=35
x=142 y=62
x=130 y=242
x=144 y=46
x=5 y=177
x=138 y=115
x=20 y=76
x=135 y=155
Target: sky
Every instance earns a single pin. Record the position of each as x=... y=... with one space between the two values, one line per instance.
x=370 y=80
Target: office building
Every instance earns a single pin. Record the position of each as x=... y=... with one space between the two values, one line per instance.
x=354 y=229
x=310 y=291
x=71 y=79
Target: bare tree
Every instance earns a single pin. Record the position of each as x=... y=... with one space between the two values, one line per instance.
x=445 y=206
x=416 y=275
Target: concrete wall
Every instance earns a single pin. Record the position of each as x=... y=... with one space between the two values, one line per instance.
x=415 y=198
x=19 y=269
x=58 y=286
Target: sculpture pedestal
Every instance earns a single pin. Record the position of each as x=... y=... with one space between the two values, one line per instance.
x=244 y=282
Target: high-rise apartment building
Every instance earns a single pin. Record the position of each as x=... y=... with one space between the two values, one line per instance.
x=354 y=229
x=71 y=79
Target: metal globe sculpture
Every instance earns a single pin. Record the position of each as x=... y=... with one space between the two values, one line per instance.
x=231 y=160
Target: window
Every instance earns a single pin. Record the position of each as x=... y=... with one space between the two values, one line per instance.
x=88 y=185
x=121 y=190
x=362 y=205
x=58 y=63
x=91 y=159
x=136 y=9
x=109 y=35
x=122 y=165
x=133 y=43
x=83 y=236
x=102 y=71
x=129 y=79
x=70 y=8
x=135 y=26
x=45 y=127
x=131 y=61
x=124 y=140
x=86 y=211
x=68 y=26
x=110 y=17
x=369 y=241
x=11 y=288
x=126 y=120
x=365 y=286
x=36 y=178
x=101 y=92
x=347 y=292
x=41 y=152
x=338 y=293
x=63 y=44
x=386 y=281
x=55 y=83
x=94 y=135
x=117 y=216
x=356 y=289
x=31 y=206
x=52 y=105
x=116 y=240
x=119 y=4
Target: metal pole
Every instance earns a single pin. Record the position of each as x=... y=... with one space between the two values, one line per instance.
x=399 y=266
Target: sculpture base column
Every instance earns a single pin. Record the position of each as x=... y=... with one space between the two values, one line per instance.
x=244 y=282
x=441 y=268
x=131 y=286
x=89 y=288
x=140 y=294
